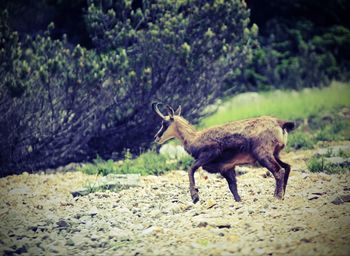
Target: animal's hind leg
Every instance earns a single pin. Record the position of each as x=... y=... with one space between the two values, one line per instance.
x=284 y=165
x=230 y=176
x=278 y=172
x=286 y=175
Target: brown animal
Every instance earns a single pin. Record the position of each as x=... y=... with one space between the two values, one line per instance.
x=219 y=149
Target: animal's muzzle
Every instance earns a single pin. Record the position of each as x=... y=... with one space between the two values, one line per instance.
x=157 y=139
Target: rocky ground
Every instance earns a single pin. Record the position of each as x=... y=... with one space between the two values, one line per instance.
x=39 y=216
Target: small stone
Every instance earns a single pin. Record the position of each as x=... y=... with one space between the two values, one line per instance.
x=9 y=251
x=250 y=211
x=259 y=251
x=223 y=225
x=78 y=239
x=312 y=197
x=94 y=237
x=202 y=224
x=54 y=249
x=296 y=229
x=70 y=242
x=266 y=206
x=22 y=249
x=119 y=234
x=93 y=212
x=152 y=230
x=186 y=207
x=80 y=192
x=240 y=171
x=21 y=191
x=267 y=174
x=341 y=199
x=213 y=222
x=317 y=192
x=305 y=240
x=211 y=203
x=233 y=238
x=62 y=224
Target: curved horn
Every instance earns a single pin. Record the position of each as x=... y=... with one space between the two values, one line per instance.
x=156 y=109
x=171 y=110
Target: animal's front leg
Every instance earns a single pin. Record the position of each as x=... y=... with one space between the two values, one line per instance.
x=193 y=189
x=204 y=158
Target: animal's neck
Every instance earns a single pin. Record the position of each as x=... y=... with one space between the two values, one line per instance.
x=185 y=131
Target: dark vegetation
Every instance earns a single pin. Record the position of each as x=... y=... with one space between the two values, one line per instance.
x=82 y=86
x=64 y=103
x=304 y=43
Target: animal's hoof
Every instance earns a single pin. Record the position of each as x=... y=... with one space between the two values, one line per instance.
x=238 y=199
x=195 y=198
x=279 y=196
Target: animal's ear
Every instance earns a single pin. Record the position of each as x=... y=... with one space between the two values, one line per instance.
x=178 y=111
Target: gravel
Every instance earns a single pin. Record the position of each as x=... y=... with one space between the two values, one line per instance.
x=39 y=216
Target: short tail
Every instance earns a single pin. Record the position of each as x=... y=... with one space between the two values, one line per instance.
x=287 y=125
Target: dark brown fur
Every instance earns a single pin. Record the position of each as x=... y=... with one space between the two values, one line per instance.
x=219 y=149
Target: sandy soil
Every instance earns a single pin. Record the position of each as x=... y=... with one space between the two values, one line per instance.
x=40 y=217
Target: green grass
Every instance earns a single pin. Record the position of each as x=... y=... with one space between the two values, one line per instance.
x=306 y=137
x=283 y=104
x=148 y=163
x=310 y=104
x=323 y=163
x=320 y=164
x=300 y=140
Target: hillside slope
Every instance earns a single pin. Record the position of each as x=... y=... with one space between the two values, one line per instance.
x=39 y=215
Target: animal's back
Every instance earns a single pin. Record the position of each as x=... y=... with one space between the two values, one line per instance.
x=263 y=129
x=252 y=126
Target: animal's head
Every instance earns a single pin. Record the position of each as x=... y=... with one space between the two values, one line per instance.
x=168 y=130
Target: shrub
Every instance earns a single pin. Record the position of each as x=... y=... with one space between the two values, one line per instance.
x=297 y=54
x=320 y=164
x=300 y=140
x=99 y=167
x=62 y=103
x=148 y=163
x=316 y=164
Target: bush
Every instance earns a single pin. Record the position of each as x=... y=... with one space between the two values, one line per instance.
x=320 y=164
x=148 y=163
x=320 y=130
x=316 y=164
x=296 y=49
x=62 y=103
x=300 y=140
x=99 y=167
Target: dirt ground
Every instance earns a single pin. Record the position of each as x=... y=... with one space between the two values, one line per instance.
x=40 y=217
